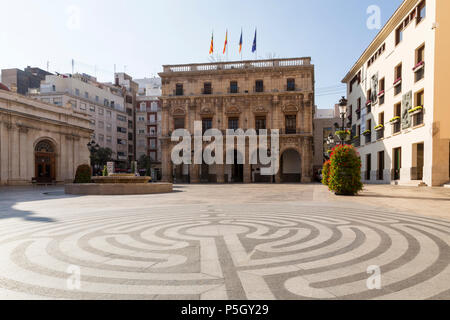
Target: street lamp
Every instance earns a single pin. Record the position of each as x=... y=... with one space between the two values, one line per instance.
x=343 y=111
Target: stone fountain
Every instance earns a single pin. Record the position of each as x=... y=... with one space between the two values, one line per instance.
x=118 y=184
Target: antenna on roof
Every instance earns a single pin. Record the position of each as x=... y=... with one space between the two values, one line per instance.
x=73 y=65
x=48 y=65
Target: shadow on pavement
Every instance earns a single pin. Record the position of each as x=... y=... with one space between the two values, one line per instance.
x=10 y=196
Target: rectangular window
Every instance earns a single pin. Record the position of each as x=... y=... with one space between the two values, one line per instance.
x=86 y=95
x=77 y=92
x=141 y=118
x=82 y=106
x=92 y=108
x=207 y=88
x=420 y=99
x=259 y=86
x=106 y=103
x=380 y=171
x=260 y=123
x=101 y=137
x=154 y=106
x=291 y=124
x=399 y=35
x=121 y=118
x=397 y=113
x=108 y=127
x=179 y=123
x=419 y=68
x=108 y=113
x=290 y=84
x=179 y=89
x=381 y=93
x=206 y=124
x=57 y=101
x=421 y=11
x=101 y=111
x=398 y=79
x=233 y=123
x=234 y=87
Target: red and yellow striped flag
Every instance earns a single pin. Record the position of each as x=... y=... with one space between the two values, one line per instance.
x=211 y=49
x=226 y=43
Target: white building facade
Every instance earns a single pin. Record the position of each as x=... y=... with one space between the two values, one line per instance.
x=395 y=107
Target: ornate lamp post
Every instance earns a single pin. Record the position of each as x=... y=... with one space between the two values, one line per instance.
x=93 y=148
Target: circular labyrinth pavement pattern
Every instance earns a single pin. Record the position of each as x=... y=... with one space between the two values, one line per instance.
x=199 y=252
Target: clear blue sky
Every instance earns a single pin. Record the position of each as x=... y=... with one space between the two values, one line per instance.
x=143 y=35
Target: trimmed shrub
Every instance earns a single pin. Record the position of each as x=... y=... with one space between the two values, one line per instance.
x=345 y=171
x=83 y=174
x=105 y=171
x=326 y=172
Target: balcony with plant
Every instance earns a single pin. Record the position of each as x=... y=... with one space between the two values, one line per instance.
x=395 y=120
x=415 y=110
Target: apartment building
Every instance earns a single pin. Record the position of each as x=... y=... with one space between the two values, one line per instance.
x=397 y=98
x=104 y=104
x=148 y=121
x=21 y=81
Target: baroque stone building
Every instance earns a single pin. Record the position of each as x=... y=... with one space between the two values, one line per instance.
x=260 y=94
x=39 y=141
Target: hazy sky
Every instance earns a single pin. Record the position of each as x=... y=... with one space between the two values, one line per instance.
x=140 y=36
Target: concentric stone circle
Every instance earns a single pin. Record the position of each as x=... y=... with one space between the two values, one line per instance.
x=200 y=252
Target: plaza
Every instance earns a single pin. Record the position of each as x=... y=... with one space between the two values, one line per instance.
x=232 y=241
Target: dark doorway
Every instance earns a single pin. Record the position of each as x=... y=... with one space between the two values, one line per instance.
x=237 y=170
x=368 y=166
x=380 y=172
x=397 y=163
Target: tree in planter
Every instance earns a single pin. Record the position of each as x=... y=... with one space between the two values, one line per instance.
x=100 y=156
x=83 y=174
x=345 y=171
x=145 y=162
x=326 y=172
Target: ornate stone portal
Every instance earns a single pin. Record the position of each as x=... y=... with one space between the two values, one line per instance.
x=264 y=94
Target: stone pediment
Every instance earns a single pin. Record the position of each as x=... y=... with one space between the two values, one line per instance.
x=206 y=111
x=178 y=111
x=290 y=109
x=260 y=109
x=233 y=110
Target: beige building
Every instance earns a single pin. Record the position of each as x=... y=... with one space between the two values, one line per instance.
x=39 y=141
x=262 y=94
x=397 y=93
x=325 y=121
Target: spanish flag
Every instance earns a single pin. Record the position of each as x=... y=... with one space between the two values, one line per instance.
x=240 y=43
x=211 y=49
x=226 y=43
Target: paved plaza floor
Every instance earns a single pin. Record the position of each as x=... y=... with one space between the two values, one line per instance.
x=226 y=242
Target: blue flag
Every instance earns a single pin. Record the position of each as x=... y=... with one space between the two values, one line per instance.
x=254 y=43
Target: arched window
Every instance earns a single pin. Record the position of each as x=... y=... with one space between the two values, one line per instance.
x=44 y=146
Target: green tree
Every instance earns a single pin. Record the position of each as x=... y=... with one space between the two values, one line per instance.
x=83 y=174
x=100 y=156
x=145 y=162
x=345 y=171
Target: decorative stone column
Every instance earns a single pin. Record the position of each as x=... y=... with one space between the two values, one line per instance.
x=194 y=171
x=220 y=173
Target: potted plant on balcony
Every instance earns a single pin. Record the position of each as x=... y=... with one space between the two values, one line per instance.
x=394 y=120
x=415 y=110
x=367 y=132
x=369 y=103
x=379 y=127
x=419 y=66
x=344 y=135
x=381 y=93
x=397 y=81
x=345 y=171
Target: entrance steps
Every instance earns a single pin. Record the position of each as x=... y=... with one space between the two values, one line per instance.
x=410 y=183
